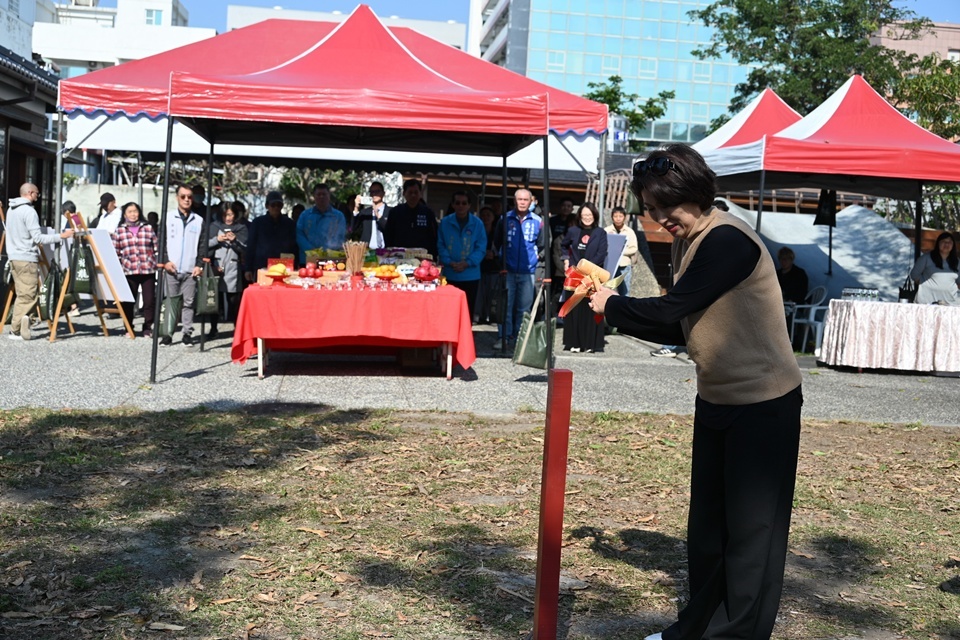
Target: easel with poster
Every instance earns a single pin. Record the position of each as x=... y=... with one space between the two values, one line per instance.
x=111 y=287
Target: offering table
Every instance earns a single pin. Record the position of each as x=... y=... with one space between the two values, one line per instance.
x=889 y=335
x=293 y=319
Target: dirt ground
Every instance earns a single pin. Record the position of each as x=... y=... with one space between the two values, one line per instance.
x=296 y=521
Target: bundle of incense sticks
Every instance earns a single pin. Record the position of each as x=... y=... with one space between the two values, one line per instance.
x=355 y=253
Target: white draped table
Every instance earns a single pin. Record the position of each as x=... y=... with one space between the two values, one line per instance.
x=890 y=335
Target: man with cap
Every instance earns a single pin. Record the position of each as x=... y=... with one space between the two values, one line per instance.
x=321 y=226
x=269 y=236
x=182 y=259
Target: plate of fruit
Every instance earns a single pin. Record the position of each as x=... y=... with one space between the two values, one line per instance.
x=426 y=272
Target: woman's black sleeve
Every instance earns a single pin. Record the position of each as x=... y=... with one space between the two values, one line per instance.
x=725 y=258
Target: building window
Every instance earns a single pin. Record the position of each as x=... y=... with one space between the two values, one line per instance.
x=155 y=17
x=556 y=60
x=15 y=7
x=701 y=71
x=611 y=65
x=953 y=55
x=648 y=68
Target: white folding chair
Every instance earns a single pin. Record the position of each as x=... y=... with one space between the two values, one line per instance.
x=811 y=313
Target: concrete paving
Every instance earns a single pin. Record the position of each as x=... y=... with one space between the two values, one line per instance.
x=90 y=371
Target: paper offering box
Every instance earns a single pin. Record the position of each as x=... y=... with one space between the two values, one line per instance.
x=285 y=260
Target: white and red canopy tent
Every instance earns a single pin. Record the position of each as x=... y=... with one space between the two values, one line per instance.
x=765 y=115
x=855 y=141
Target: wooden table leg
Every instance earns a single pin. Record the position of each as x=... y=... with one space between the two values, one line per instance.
x=261 y=356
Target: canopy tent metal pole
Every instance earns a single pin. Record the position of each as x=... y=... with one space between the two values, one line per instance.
x=140 y=176
x=161 y=251
x=208 y=215
x=503 y=257
x=602 y=168
x=830 y=252
x=570 y=153
x=918 y=227
x=763 y=178
x=58 y=180
x=547 y=257
x=85 y=138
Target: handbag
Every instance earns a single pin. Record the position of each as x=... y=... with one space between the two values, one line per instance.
x=208 y=287
x=81 y=263
x=170 y=315
x=531 y=349
x=498 y=299
x=50 y=293
x=908 y=291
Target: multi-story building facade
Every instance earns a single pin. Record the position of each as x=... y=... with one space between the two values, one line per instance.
x=81 y=36
x=450 y=31
x=943 y=39
x=571 y=43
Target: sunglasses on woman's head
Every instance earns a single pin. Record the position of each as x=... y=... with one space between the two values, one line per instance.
x=657 y=166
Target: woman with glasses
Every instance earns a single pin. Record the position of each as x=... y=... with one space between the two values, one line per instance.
x=462 y=245
x=726 y=307
x=584 y=240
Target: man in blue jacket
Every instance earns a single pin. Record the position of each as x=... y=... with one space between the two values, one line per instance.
x=462 y=244
x=321 y=226
x=522 y=254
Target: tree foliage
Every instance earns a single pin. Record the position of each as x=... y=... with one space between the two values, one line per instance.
x=628 y=105
x=297 y=184
x=931 y=92
x=806 y=49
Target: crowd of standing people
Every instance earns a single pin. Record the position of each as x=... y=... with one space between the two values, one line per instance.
x=496 y=258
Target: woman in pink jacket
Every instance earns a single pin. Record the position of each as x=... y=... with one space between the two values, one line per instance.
x=136 y=245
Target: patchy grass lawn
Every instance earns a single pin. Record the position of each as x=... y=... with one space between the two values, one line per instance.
x=302 y=522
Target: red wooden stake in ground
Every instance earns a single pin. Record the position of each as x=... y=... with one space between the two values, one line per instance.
x=552 y=487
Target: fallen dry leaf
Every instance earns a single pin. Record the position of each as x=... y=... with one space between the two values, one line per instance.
x=163 y=626
x=226 y=601
x=317 y=532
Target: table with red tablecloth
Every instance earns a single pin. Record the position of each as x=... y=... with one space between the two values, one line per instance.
x=285 y=318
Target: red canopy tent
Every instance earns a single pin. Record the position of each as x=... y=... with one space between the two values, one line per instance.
x=765 y=115
x=358 y=86
x=355 y=84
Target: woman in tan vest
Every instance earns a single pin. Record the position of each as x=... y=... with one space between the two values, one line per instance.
x=726 y=307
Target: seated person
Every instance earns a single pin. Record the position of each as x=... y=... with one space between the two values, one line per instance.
x=793 y=279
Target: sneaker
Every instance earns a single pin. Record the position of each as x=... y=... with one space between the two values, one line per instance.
x=574 y=349
x=25 y=328
x=73 y=313
x=147 y=333
x=188 y=339
x=498 y=345
x=13 y=336
x=166 y=341
x=663 y=352
x=212 y=334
